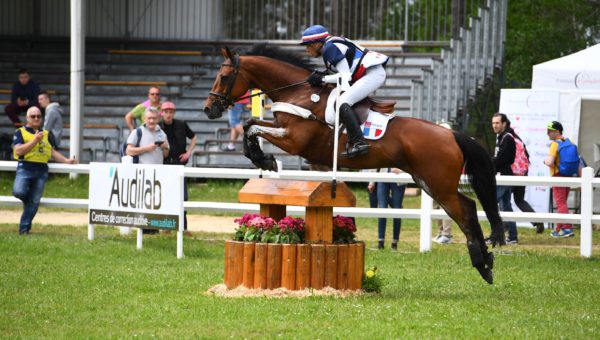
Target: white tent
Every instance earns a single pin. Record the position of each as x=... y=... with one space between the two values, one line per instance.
x=577 y=71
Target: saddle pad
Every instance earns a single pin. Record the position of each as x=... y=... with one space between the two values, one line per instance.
x=375 y=125
x=373 y=128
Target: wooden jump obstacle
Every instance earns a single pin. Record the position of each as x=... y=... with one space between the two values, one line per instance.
x=316 y=264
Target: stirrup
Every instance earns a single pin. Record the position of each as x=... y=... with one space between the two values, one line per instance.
x=357 y=150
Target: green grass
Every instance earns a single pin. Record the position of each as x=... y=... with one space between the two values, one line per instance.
x=57 y=284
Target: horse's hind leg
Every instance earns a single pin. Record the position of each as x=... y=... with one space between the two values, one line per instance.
x=464 y=211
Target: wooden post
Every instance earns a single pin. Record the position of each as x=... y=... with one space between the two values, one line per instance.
x=288 y=266
x=227 y=245
x=273 y=266
x=235 y=263
x=260 y=266
x=331 y=268
x=319 y=225
x=274 y=211
x=303 y=253
x=248 y=270
x=361 y=263
x=317 y=266
x=355 y=266
x=342 y=267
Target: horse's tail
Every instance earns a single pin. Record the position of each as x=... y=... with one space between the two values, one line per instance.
x=482 y=176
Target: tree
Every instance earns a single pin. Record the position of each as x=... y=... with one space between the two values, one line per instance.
x=542 y=30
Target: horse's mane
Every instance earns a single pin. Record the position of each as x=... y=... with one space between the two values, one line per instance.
x=275 y=52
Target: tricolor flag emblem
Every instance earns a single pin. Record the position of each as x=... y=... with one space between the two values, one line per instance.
x=371 y=131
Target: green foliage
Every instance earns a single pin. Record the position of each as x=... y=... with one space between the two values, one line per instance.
x=372 y=281
x=542 y=30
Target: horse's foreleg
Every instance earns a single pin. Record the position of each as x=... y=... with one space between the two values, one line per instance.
x=464 y=211
x=252 y=130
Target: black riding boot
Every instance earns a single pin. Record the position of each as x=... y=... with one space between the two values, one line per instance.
x=356 y=140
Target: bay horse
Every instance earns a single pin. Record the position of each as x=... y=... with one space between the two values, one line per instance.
x=434 y=156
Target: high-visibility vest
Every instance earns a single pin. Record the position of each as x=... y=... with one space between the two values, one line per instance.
x=40 y=153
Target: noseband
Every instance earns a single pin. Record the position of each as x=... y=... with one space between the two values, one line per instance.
x=224 y=100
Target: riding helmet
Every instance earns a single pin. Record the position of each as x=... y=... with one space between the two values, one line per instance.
x=315 y=33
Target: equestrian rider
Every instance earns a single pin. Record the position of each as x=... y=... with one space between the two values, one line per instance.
x=362 y=72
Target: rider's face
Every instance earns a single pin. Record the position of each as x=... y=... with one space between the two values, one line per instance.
x=314 y=49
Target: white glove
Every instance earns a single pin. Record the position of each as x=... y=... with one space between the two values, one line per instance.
x=333 y=78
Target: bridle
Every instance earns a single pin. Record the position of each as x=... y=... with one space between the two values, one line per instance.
x=224 y=100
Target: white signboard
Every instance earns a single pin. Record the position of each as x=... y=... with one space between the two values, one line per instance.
x=145 y=196
x=529 y=112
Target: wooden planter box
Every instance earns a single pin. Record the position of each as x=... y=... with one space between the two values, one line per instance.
x=316 y=264
x=294 y=266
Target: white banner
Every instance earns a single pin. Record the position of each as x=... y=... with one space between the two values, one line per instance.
x=136 y=195
x=529 y=112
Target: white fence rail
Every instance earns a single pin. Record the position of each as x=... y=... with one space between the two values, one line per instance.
x=585 y=218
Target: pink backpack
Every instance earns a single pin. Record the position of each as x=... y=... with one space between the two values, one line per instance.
x=521 y=164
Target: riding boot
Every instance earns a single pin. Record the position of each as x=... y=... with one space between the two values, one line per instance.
x=356 y=140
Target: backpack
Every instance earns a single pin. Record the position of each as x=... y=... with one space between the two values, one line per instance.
x=123 y=149
x=569 y=158
x=521 y=164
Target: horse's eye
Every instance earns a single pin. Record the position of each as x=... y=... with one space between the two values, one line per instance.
x=224 y=77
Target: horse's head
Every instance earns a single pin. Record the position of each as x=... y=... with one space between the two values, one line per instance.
x=226 y=88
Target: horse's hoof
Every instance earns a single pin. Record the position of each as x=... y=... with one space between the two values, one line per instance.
x=486 y=273
x=268 y=163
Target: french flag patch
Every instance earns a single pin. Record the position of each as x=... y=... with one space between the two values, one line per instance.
x=372 y=130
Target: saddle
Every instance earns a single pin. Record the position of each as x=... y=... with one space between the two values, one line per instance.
x=383 y=106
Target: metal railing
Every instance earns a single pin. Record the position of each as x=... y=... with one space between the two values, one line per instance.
x=463 y=67
x=425 y=214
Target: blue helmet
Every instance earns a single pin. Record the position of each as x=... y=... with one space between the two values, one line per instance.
x=315 y=33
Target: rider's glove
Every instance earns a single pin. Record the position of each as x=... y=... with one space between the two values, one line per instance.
x=315 y=78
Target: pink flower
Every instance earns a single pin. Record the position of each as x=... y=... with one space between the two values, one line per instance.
x=289 y=223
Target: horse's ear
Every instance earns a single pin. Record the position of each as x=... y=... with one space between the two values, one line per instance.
x=226 y=53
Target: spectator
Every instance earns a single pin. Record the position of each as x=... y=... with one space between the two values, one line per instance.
x=444 y=235
x=138 y=111
x=52 y=116
x=24 y=95
x=177 y=131
x=153 y=144
x=372 y=190
x=389 y=194
x=518 y=191
x=503 y=159
x=33 y=148
x=560 y=194
x=235 y=122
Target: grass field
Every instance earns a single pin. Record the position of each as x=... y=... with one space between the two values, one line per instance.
x=56 y=284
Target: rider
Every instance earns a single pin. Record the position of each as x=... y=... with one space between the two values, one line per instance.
x=362 y=72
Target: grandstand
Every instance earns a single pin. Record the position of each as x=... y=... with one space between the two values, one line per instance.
x=119 y=69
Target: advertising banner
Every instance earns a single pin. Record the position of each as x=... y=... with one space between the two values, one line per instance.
x=529 y=111
x=136 y=195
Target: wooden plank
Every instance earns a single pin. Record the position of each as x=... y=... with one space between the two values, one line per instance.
x=288 y=266
x=303 y=252
x=317 y=266
x=260 y=266
x=225 y=274
x=273 y=266
x=355 y=270
x=248 y=262
x=342 y=270
x=292 y=192
x=331 y=256
x=154 y=52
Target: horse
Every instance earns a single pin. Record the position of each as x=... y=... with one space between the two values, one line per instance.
x=434 y=156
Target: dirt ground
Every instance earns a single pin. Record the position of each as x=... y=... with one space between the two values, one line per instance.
x=213 y=224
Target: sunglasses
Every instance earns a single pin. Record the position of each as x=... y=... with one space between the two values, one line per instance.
x=35 y=117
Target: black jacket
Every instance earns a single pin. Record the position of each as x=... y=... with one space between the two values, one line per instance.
x=505 y=153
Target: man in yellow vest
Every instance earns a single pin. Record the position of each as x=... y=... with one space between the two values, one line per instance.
x=33 y=147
